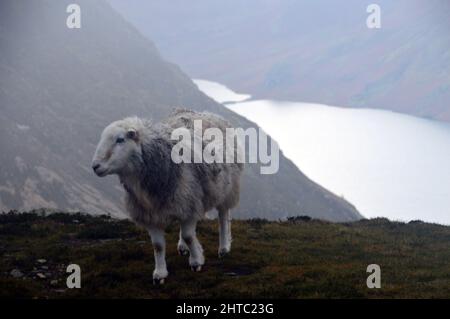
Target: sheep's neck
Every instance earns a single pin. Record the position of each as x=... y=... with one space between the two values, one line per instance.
x=133 y=186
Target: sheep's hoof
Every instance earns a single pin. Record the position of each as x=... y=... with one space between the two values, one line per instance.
x=182 y=251
x=158 y=281
x=223 y=252
x=196 y=268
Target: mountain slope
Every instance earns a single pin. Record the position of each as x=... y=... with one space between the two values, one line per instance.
x=60 y=87
x=293 y=259
x=311 y=51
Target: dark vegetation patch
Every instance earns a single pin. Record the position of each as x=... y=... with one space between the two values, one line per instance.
x=296 y=258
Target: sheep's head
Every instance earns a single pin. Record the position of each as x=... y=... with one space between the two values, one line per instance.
x=119 y=145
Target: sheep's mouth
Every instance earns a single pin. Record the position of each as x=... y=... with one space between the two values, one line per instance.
x=101 y=172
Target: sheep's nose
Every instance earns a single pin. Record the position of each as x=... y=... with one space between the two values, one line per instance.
x=95 y=167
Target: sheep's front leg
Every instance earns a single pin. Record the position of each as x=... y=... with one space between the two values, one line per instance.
x=224 y=232
x=182 y=247
x=196 y=258
x=159 y=247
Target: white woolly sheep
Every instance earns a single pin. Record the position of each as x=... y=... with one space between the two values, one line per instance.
x=159 y=191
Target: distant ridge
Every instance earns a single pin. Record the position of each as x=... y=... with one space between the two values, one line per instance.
x=316 y=51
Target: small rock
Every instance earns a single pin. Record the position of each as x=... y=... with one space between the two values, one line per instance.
x=42 y=261
x=231 y=274
x=54 y=282
x=16 y=273
x=60 y=290
x=40 y=275
x=76 y=221
x=44 y=267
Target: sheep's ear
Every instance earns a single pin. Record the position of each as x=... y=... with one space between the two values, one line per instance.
x=132 y=134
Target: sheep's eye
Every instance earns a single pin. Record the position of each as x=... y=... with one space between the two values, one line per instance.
x=120 y=140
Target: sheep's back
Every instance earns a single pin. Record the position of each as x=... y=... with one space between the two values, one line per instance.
x=219 y=181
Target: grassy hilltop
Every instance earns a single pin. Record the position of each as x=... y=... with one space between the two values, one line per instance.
x=300 y=258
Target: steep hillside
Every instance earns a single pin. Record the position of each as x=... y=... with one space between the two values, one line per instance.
x=311 y=51
x=299 y=258
x=60 y=87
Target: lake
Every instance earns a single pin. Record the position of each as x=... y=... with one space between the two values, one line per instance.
x=387 y=164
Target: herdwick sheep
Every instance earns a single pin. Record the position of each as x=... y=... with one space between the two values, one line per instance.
x=160 y=191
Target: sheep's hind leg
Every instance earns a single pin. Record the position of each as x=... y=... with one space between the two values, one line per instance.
x=182 y=247
x=196 y=258
x=159 y=247
x=224 y=232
